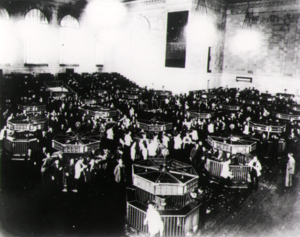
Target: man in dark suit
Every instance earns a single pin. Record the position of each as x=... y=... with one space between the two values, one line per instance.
x=196 y=154
x=45 y=170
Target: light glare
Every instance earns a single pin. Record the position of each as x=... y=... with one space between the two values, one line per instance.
x=246 y=40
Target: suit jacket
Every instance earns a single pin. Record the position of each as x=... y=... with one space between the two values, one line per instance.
x=290 y=165
x=119 y=173
x=195 y=155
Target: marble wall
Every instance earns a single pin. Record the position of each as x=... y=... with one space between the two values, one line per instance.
x=268 y=50
x=145 y=62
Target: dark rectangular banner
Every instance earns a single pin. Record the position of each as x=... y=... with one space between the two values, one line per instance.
x=176 y=41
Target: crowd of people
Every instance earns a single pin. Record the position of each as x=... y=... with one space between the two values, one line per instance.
x=123 y=142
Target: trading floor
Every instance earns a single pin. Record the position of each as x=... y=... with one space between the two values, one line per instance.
x=27 y=209
x=219 y=130
x=119 y=119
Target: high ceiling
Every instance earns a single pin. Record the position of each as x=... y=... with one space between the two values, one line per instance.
x=62 y=2
x=228 y=1
x=73 y=7
x=239 y=1
x=64 y=7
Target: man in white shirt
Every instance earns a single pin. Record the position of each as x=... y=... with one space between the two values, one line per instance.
x=290 y=170
x=211 y=127
x=177 y=146
x=165 y=140
x=225 y=172
x=144 y=139
x=133 y=151
x=3 y=133
x=126 y=122
x=167 y=101
x=246 y=128
x=153 y=219
x=152 y=147
x=255 y=171
x=200 y=123
x=255 y=164
x=131 y=112
x=110 y=134
x=188 y=124
x=110 y=137
x=177 y=142
x=187 y=140
x=144 y=144
x=78 y=176
x=194 y=135
x=128 y=139
x=127 y=156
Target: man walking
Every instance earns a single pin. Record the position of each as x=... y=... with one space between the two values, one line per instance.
x=290 y=170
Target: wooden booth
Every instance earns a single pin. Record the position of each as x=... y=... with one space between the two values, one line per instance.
x=168 y=183
x=23 y=135
x=240 y=154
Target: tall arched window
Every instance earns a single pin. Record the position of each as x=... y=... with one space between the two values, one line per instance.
x=36 y=31
x=69 y=37
x=5 y=32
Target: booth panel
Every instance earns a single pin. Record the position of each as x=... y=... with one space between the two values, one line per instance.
x=191 y=221
x=7 y=145
x=20 y=147
x=136 y=217
x=214 y=168
x=173 y=225
x=240 y=173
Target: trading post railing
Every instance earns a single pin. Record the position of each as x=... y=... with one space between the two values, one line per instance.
x=174 y=224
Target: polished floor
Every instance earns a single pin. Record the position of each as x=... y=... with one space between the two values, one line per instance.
x=27 y=209
x=272 y=210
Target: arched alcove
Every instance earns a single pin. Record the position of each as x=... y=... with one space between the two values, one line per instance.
x=133 y=54
x=140 y=41
x=5 y=39
x=69 y=22
x=69 y=41
x=36 y=30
